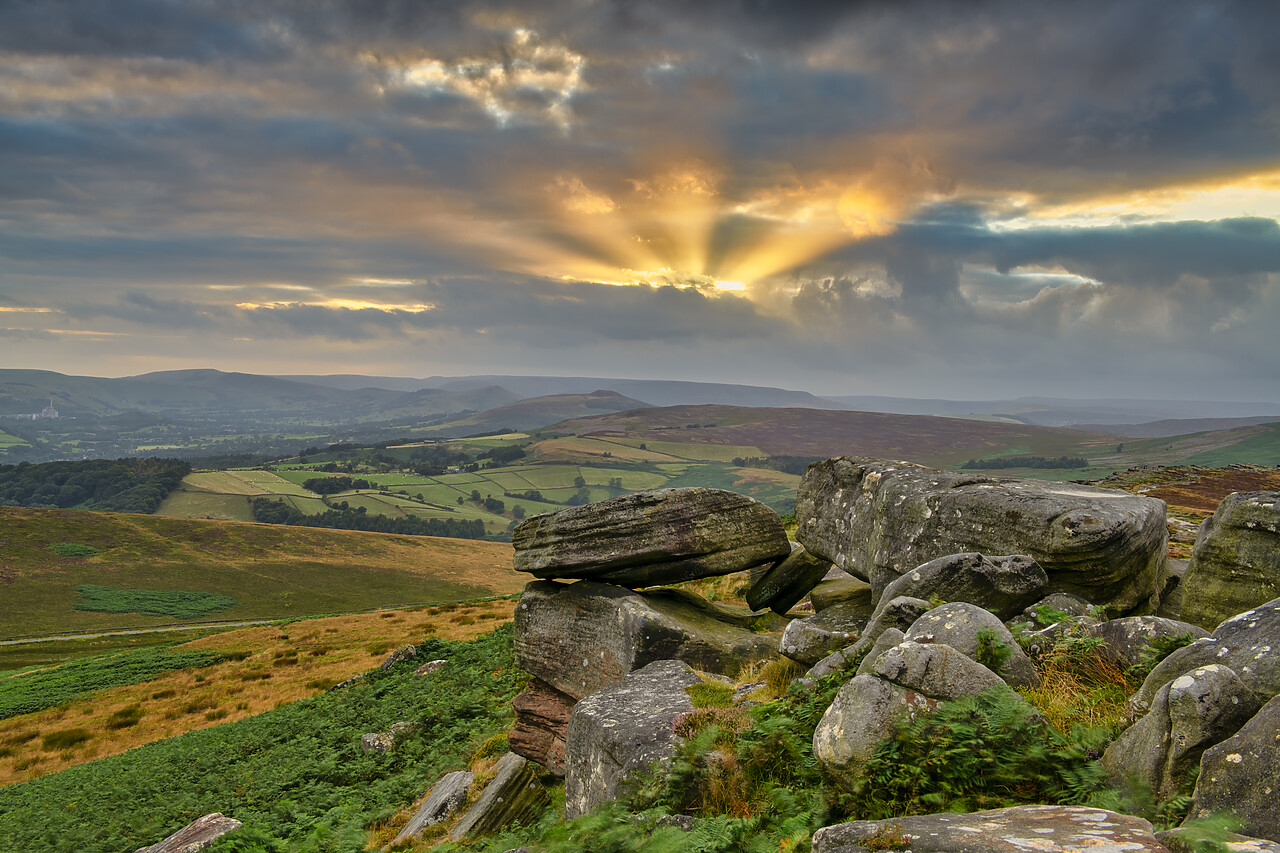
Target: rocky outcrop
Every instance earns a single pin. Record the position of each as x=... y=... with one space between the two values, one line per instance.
x=963 y=627
x=1003 y=585
x=908 y=679
x=579 y=638
x=444 y=798
x=622 y=730
x=385 y=741
x=809 y=640
x=841 y=590
x=197 y=835
x=878 y=520
x=864 y=712
x=650 y=538
x=1126 y=639
x=1189 y=714
x=784 y=584
x=514 y=794
x=1241 y=776
x=542 y=720
x=1190 y=840
x=1236 y=561
x=1245 y=643
x=400 y=655
x=1052 y=829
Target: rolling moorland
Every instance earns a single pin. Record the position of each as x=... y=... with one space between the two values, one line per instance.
x=108 y=708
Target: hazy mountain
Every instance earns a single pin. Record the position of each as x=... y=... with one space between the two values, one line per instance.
x=657 y=391
x=1054 y=411
x=1179 y=426
x=537 y=412
x=355 y=381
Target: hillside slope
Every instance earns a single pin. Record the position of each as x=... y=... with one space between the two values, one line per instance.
x=270 y=572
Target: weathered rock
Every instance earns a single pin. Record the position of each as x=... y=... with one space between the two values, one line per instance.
x=784 y=584
x=864 y=712
x=430 y=667
x=1040 y=642
x=1187 y=840
x=899 y=613
x=1171 y=595
x=958 y=626
x=1190 y=714
x=842 y=590
x=384 y=741
x=197 y=835
x=514 y=794
x=400 y=655
x=1236 y=561
x=445 y=797
x=879 y=520
x=622 y=730
x=651 y=538
x=887 y=640
x=809 y=640
x=1241 y=776
x=581 y=637
x=1058 y=602
x=1003 y=585
x=1244 y=643
x=1050 y=829
x=935 y=670
x=542 y=719
x=1127 y=638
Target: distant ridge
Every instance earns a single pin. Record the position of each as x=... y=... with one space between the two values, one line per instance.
x=1057 y=411
x=657 y=392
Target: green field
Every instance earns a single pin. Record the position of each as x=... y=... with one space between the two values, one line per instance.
x=1261 y=449
x=272 y=572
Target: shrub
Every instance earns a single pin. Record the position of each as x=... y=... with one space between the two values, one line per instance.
x=124 y=718
x=64 y=739
x=74 y=549
x=174 y=603
x=985 y=751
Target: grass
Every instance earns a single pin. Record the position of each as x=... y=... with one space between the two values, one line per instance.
x=294 y=774
x=273 y=572
x=232 y=675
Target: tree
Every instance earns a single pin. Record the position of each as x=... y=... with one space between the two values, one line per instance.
x=579 y=481
x=460 y=500
x=517 y=512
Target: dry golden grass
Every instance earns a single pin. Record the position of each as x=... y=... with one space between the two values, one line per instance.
x=270 y=665
x=1086 y=690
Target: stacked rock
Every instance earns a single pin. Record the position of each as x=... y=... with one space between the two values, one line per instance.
x=579 y=638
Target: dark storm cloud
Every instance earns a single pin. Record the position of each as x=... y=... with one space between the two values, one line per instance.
x=330 y=169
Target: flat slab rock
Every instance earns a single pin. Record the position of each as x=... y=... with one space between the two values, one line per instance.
x=652 y=538
x=1022 y=829
x=878 y=520
x=197 y=835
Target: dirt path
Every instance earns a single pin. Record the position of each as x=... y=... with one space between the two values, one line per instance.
x=202 y=627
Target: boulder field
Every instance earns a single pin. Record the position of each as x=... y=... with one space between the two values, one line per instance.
x=947 y=564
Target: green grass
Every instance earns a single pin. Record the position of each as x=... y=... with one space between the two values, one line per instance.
x=1261 y=449
x=173 y=603
x=26 y=692
x=295 y=775
x=272 y=572
x=45 y=653
x=184 y=503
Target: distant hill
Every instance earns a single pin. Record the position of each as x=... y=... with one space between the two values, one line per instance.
x=1179 y=426
x=657 y=392
x=536 y=412
x=804 y=432
x=1056 y=411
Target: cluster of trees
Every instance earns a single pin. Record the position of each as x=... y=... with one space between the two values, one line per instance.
x=333 y=485
x=785 y=464
x=345 y=518
x=1026 y=462
x=120 y=485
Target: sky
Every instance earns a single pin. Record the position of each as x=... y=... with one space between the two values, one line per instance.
x=918 y=199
